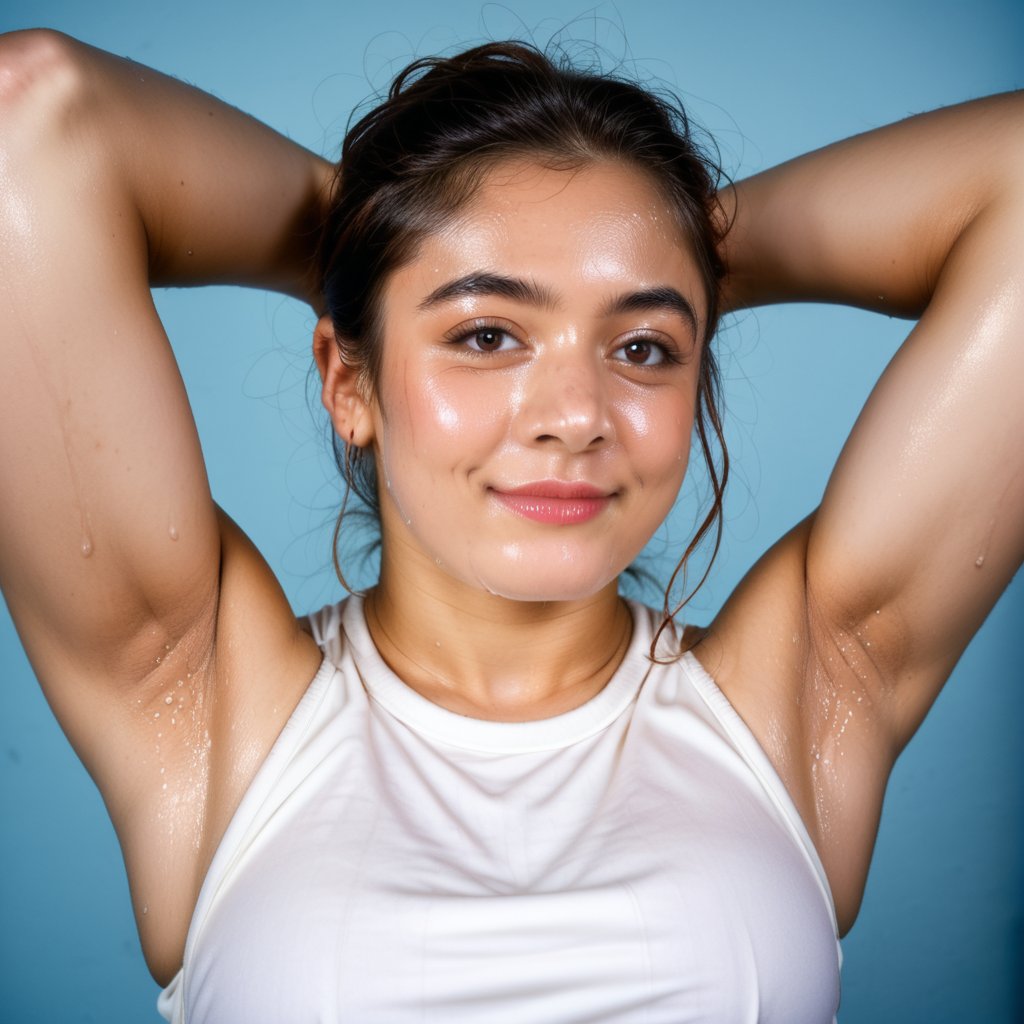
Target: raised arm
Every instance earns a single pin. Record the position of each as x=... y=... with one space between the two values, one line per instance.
x=838 y=642
x=113 y=558
x=114 y=177
x=922 y=524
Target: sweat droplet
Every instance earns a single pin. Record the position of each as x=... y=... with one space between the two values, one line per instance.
x=168 y=699
x=86 y=548
x=173 y=532
x=145 y=908
x=979 y=561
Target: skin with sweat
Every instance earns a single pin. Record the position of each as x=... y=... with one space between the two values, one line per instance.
x=531 y=422
x=538 y=384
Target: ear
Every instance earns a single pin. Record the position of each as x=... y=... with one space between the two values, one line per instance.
x=344 y=389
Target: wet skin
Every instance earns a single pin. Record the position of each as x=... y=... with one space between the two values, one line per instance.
x=532 y=422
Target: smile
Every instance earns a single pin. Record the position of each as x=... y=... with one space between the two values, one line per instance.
x=552 y=501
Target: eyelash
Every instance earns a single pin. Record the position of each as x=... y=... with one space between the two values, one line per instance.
x=463 y=335
x=669 y=354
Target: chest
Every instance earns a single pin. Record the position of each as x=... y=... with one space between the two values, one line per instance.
x=632 y=881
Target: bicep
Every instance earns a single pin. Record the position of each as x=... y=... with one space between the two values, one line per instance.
x=108 y=536
x=921 y=526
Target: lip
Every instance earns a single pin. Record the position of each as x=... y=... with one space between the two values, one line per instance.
x=554 y=501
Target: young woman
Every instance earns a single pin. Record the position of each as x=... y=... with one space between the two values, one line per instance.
x=492 y=789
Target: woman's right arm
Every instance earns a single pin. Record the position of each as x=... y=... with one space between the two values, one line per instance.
x=112 y=552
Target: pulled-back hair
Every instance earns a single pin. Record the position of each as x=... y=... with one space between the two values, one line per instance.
x=413 y=163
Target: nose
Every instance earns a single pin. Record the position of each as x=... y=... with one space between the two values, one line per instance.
x=566 y=403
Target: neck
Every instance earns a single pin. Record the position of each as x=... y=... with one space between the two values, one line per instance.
x=493 y=658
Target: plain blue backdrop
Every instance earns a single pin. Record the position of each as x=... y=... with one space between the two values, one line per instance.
x=940 y=935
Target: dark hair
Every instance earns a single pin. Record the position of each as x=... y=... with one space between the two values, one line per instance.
x=413 y=162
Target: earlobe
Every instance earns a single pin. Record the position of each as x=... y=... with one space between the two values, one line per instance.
x=343 y=388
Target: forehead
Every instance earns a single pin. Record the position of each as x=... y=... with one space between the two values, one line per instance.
x=604 y=227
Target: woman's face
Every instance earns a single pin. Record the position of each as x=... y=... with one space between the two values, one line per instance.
x=533 y=414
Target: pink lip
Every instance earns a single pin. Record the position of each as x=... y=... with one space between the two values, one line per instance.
x=554 y=501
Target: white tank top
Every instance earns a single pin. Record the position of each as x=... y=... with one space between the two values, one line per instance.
x=635 y=860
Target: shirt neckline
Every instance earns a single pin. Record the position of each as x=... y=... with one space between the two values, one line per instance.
x=455 y=730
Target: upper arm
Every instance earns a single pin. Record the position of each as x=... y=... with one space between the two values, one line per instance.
x=109 y=545
x=921 y=525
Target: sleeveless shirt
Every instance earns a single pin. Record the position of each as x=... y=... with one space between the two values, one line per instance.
x=635 y=860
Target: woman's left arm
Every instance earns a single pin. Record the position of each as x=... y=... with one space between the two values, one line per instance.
x=922 y=524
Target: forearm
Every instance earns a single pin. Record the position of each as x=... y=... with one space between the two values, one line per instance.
x=219 y=197
x=870 y=221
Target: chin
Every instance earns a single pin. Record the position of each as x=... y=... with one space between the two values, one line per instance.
x=564 y=577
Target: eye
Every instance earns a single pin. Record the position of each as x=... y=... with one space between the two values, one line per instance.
x=643 y=352
x=484 y=338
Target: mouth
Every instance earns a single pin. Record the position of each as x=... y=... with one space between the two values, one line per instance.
x=554 y=501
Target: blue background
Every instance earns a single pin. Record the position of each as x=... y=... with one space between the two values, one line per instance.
x=940 y=935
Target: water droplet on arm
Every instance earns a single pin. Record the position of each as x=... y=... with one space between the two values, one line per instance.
x=86 y=548
x=172 y=532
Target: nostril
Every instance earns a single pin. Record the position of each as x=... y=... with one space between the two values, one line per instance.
x=545 y=438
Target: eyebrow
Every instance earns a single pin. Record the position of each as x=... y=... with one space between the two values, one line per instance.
x=662 y=297
x=483 y=283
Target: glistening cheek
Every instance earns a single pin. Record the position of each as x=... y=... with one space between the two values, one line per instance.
x=649 y=414
x=655 y=430
x=446 y=427
x=459 y=405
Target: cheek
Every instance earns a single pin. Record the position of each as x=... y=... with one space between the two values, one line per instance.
x=638 y=417
x=436 y=411
x=657 y=427
x=438 y=423
x=448 y=411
